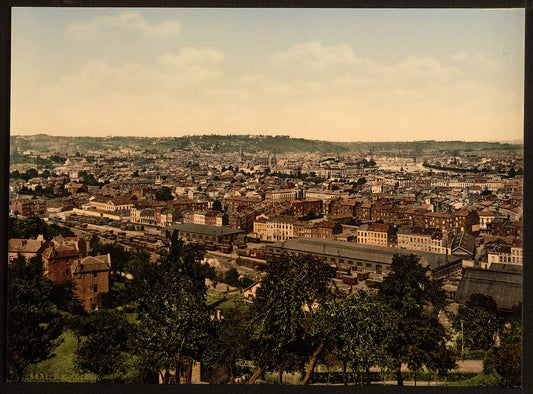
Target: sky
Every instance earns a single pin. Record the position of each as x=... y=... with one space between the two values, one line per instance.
x=327 y=74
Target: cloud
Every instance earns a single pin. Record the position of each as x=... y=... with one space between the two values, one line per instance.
x=313 y=55
x=125 y=21
x=191 y=56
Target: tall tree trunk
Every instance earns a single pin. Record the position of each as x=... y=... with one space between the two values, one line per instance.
x=399 y=376
x=256 y=375
x=178 y=369
x=344 y=374
x=232 y=371
x=312 y=364
x=281 y=376
x=188 y=374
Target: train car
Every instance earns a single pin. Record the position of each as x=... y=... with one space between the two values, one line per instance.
x=225 y=248
x=210 y=246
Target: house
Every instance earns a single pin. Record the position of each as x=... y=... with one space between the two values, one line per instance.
x=28 y=206
x=26 y=248
x=90 y=276
x=57 y=260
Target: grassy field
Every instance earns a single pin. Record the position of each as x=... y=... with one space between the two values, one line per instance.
x=224 y=302
x=61 y=367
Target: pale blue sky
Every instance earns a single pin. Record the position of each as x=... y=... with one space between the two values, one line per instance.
x=343 y=75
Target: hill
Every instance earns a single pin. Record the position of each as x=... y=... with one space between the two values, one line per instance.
x=234 y=143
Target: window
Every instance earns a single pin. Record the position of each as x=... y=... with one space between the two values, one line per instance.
x=67 y=272
x=95 y=288
x=95 y=274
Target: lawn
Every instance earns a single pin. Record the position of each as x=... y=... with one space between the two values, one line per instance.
x=61 y=367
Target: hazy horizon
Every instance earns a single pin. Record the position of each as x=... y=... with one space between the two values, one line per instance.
x=351 y=74
x=513 y=141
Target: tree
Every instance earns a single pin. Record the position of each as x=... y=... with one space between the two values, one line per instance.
x=512 y=173
x=420 y=339
x=174 y=319
x=229 y=344
x=164 y=194
x=33 y=226
x=107 y=340
x=292 y=289
x=508 y=357
x=36 y=312
x=217 y=206
x=311 y=215
x=477 y=321
x=357 y=331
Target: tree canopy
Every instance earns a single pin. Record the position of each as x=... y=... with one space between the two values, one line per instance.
x=292 y=287
x=174 y=318
x=36 y=312
x=420 y=339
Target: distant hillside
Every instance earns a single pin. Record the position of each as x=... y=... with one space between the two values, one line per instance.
x=233 y=143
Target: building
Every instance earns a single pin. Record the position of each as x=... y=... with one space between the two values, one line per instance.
x=281 y=195
x=28 y=206
x=374 y=234
x=342 y=208
x=325 y=229
x=464 y=246
x=57 y=260
x=423 y=239
x=208 y=218
x=278 y=228
x=90 y=276
x=486 y=216
x=466 y=220
x=356 y=257
x=499 y=253
x=202 y=233
x=26 y=248
x=502 y=282
x=113 y=204
x=301 y=208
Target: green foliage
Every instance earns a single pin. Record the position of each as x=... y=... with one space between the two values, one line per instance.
x=481 y=380
x=292 y=286
x=88 y=179
x=230 y=343
x=60 y=368
x=217 y=206
x=508 y=358
x=36 y=313
x=174 y=319
x=103 y=352
x=33 y=226
x=164 y=194
x=477 y=321
x=357 y=331
x=420 y=339
x=477 y=325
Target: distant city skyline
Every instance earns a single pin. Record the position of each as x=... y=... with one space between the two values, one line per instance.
x=322 y=74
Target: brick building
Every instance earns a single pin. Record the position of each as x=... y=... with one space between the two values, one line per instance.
x=90 y=276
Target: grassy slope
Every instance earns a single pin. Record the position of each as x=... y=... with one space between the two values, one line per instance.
x=61 y=367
